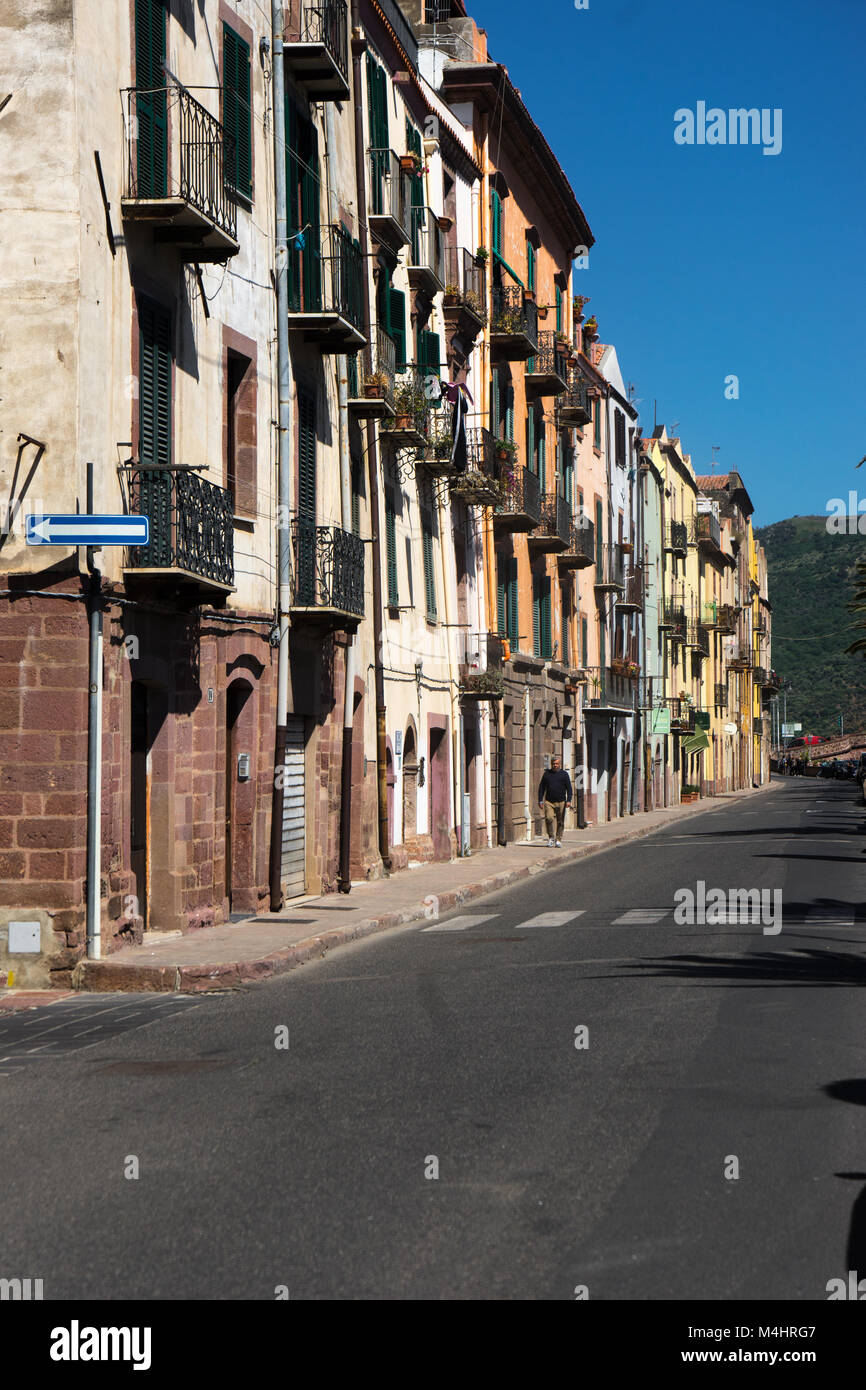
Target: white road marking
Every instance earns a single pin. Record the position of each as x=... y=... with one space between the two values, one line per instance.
x=641 y=916
x=461 y=923
x=551 y=919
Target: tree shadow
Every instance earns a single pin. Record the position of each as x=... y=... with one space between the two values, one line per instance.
x=853 y=1090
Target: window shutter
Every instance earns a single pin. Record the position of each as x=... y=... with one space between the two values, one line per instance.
x=431 y=361
x=536 y=615
x=501 y=596
x=377 y=105
x=531 y=461
x=513 y=604
x=584 y=639
x=496 y=221
x=397 y=303
x=542 y=454
x=559 y=328
x=356 y=495
x=237 y=112
x=154 y=386
x=391 y=549
x=306 y=457
x=530 y=266
x=495 y=404
x=509 y=412
x=599 y=534
x=151 y=110
x=429 y=573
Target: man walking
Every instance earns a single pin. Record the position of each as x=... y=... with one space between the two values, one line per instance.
x=554 y=799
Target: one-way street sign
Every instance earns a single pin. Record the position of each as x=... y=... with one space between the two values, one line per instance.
x=87 y=530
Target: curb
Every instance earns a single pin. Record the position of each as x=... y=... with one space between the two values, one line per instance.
x=101 y=976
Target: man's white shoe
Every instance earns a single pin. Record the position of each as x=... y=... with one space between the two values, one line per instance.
x=550 y=844
x=559 y=844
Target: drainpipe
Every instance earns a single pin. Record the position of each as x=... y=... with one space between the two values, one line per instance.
x=359 y=46
x=284 y=453
x=344 y=880
x=94 y=747
x=456 y=715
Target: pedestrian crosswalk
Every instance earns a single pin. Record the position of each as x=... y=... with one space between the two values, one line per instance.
x=815 y=918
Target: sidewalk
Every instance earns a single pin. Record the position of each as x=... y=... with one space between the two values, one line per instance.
x=219 y=958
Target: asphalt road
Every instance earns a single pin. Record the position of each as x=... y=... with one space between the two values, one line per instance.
x=709 y=1141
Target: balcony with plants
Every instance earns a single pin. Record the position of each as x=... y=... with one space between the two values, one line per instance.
x=486 y=479
x=389 y=204
x=574 y=405
x=180 y=172
x=316 y=47
x=326 y=298
x=481 y=666
x=410 y=425
x=465 y=303
x=513 y=323
x=520 y=508
x=707 y=533
x=371 y=374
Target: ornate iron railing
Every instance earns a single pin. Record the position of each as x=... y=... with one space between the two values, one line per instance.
x=727 y=617
x=427 y=243
x=740 y=658
x=556 y=520
x=675 y=620
x=465 y=281
x=326 y=276
x=582 y=540
x=388 y=188
x=371 y=371
x=677 y=538
x=550 y=359
x=513 y=315
x=324 y=22
x=574 y=406
x=328 y=568
x=632 y=595
x=175 y=148
x=523 y=495
x=721 y=695
x=609 y=566
x=191 y=524
x=483 y=482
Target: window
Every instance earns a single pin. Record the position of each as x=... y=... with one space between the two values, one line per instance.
x=429 y=353
x=377 y=105
x=619 y=437
x=240 y=463
x=541 y=636
x=530 y=266
x=237 y=113
x=155 y=370
x=599 y=535
x=565 y=654
x=507 y=599
x=151 y=110
x=496 y=222
x=584 y=641
x=391 y=549
x=429 y=571
x=596 y=422
x=357 y=482
x=559 y=327
x=306 y=456
x=302 y=195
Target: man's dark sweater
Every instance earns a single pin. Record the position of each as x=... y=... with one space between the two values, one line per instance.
x=555 y=785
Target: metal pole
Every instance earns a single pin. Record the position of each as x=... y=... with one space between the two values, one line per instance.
x=94 y=747
x=284 y=455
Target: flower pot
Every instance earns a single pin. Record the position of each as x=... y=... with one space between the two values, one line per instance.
x=374 y=392
x=403 y=422
x=407 y=164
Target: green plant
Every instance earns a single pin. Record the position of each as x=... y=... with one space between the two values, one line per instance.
x=409 y=399
x=482 y=255
x=689 y=789
x=452 y=291
x=489 y=682
x=376 y=379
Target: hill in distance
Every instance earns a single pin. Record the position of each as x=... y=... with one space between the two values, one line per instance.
x=811 y=582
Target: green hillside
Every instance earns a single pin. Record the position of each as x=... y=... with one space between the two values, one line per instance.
x=811 y=578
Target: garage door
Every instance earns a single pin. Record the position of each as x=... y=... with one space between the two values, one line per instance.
x=292 y=866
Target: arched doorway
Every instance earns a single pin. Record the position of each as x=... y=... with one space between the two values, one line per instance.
x=238 y=786
x=410 y=784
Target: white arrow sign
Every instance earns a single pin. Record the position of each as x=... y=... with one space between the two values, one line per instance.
x=87 y=530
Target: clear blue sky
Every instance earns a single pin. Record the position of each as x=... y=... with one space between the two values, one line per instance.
x=718 y=260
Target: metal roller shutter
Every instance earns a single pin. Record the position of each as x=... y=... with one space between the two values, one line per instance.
x=294 y=839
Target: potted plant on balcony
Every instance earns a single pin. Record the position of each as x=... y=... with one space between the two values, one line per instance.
x=596 y=687
x=375 y=385
x=484 y=685
x=633 y=670
x=452 y=295
x=482 y=256
x=626 y=547
x=409 y=403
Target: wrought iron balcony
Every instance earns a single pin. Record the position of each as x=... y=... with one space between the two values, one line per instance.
x=547 y=369
x=465 y=305
x=698 y=638
x=483 y=482
x=177 y=160
x=553 y=533
x=426 y=268
x=677 y=537
x=520 y=508
x=316 y=47
x=682 y=715
x=480 y=666
x=709 y=614
x=707 y=532
x=575 y=406
x=513 y=324
x=581 y=548
x=388 y=210
x=631 y=599
x=773 y=681
x=191 y=530
x=674 y=620
x=609 y=572
x=740 y=658
x=411 y=423
x=326 y=297
x=721 y=695
x=609 y=691
x=328 y=575
x=727 y=618
x=371 y=379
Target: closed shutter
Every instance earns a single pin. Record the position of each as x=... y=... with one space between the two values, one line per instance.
x=596 y=423
x=495 y=404
x=496 y=222
x=531 y=461
x=391 y=550
x=377 y=105
x=293 y=836
x=559 y=327
x=566 y=625
x=356 y=496
x=541 y=632
x=397 y=329
x=599 y=537
x=151 y=109
x=429 y=572
x=237 y=113
x=509 y=412
x=542 y=453
x=154 y=385
x=584 y=641
x=430 y=353
x=530 y=266
x=501 y=595
x=306 y=456
x=513 y=604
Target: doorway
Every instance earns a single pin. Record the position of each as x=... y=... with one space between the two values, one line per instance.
x=139 y=796
x=236 y=697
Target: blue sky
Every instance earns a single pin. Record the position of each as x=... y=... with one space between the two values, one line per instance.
x=718 y=260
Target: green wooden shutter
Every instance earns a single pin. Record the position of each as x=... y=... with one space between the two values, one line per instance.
x=391 y=549
x=531 y=461
x=429 y=572
x=596 y=423
x=530 y=266
x=599 y=535
x=509 y=413
x=237 y=112
x=377 y=105
x=544 y=615
x=513 y=604
x=397 y=306
x=559 y=327
x=151 y=108
x=155 y=362
x=303 y=210
x=356 y=495
x=542 y=453
x=430 y=353
x=496 y=221
x=306 y=456
x=536 y=615
x=584 y=641
x=501 y=596
x=495 y=404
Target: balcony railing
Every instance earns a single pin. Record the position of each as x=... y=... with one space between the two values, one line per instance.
x=581 y=547
x=707 y=531
x=709 y=614
x=326 y=297
x=674 y=620
x=480 y=666
x=610 y=688
x=632 y=594
x=740 y=658
x=483 y=482
x=555 y=527
x=465 y=289
x=575 y=406
x=316 y=47
x=721 y=695
x=759 y=676
x=682 y=715
x=328 y=576
x=426 y=268
x=727 y=618
x=698 y=638
x=371 y=378
x=411 y=425
x=677 y=537
x=609 y=572
x=547 y=369
x=514 y=323
x=191 y=528
x=388 y=212
x=520 y=508
x=178 y=157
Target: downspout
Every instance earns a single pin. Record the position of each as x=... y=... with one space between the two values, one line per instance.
x=344 y=878
x=284 y=453
x=94 y=746
x=359 y=45
x=453 y=692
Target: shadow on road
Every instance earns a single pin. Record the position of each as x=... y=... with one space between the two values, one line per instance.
x=853 y=1090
